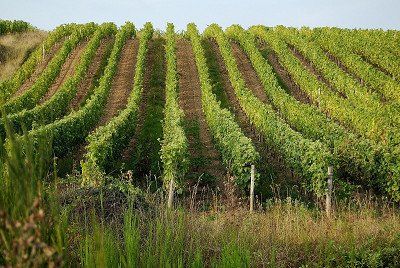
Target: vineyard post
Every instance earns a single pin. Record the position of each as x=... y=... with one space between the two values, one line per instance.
x=171 y=193
x=329 y=192
x=43 y=51
x=252 y=178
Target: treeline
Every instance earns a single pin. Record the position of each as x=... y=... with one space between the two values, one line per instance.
x=14 y=26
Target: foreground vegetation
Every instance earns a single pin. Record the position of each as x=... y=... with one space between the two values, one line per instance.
x=48 y=221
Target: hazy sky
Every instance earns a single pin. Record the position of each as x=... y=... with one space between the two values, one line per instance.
x=47 y=14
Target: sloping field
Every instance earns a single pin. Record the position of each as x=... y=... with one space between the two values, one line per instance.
x=138 y=147
x=288 y=101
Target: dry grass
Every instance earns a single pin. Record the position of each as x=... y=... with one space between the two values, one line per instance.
x=364 y=231
x=15 y=49
x=289 y=235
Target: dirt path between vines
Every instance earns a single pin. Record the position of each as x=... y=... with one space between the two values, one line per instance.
x=88 y=80
x=307 y=64
x=248 y=73
x=67 y=70
x=345 y=69
x=269 y=157
x=149 y=65
x=38 y=70
x=120 y=89
x=200 y=140
x=123 y=82
x=285 y=79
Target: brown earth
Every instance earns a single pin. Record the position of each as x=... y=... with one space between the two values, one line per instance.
x=149 y=65
x=123 y=82
x=248 y=73
x=67 y=70
x=286 y=79
x=88 y=80
x=270 y=158
x=310 y=67
x=120 y=89
x=38 y=70
x=191 y=104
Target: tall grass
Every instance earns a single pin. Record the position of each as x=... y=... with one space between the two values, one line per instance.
x=32 y=224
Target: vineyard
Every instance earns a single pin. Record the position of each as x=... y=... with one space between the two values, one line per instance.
x=236 y=112
x=291 y=102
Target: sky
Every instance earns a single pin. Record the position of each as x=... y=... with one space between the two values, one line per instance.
x=47 y=14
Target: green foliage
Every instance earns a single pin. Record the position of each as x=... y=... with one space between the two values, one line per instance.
x=174 y=146
x=357 y=94
x=236 y=149
x=309 y=158
x=107 y=141
x=57 y=105
x=10 y=86
x=330 y=38
x=30 y=97
x=73 y=128
x=14 y=26
x=366 y=123
x=371 y=45
x=359 y=157
x=23 y=166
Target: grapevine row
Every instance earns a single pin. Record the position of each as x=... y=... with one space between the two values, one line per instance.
x=236 y=149
x=107 y=141
x=174 y=146
x=356 y=94
x=356 y=156
x=364 y=123
x=56 y=106
x=30 y=97
x=308 y=158
x=10 y=86
x=372 y=51
x=368 y=75
x=386 y=39
x=73 y=128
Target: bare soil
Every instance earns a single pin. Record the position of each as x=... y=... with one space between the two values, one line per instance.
x=123 y=82
x=67 y=70
x=248 y=73
x=87 y=82
x=120 y=89
x=149 y=65
x=309 y=66
x=270 y=158
x=191 y=104
x=39 y=69
x=290 y=86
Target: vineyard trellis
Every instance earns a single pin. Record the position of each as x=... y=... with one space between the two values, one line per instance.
x=347 y=124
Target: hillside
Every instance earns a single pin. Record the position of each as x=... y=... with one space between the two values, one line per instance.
x=15 y=48
x=161 y=118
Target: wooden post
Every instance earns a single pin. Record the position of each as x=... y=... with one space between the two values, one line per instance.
x=252 y=178
x=43 y=51
x=319 y=96
x=329 y=192
x=171 y=193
